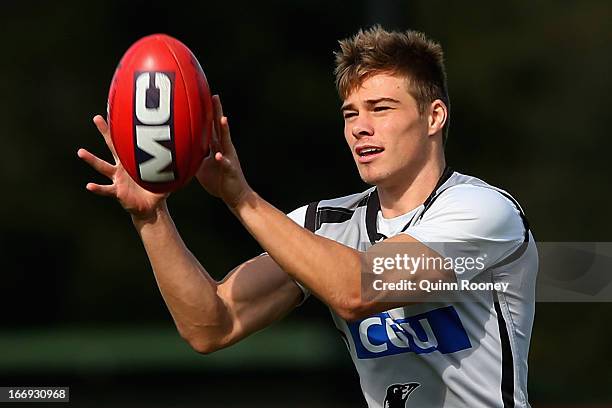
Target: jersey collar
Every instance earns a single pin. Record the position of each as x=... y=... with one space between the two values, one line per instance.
x=373 y=206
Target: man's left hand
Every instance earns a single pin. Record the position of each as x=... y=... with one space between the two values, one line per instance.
x=220 y=173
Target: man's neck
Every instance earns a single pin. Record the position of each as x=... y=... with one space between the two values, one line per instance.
x=401 y=198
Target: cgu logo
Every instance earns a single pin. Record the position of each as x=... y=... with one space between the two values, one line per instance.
x=435 y=330
x=153 y=126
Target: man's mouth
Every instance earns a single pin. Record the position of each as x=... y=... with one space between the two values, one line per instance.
x=368 y=153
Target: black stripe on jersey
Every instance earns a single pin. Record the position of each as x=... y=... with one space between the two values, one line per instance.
x=345 y=339
x=507 y=380
x=446 y=174
x=310 y=222
x=428 y=203
x=371 y=213
x=513 y=256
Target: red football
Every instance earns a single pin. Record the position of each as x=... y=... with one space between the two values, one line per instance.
x=160 y=113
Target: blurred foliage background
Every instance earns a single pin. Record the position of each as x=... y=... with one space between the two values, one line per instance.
x=530 y=86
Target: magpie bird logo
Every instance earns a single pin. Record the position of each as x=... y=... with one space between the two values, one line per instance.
x=398 y=394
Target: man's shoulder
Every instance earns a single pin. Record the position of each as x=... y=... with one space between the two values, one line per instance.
x=472 y=207
x=470 y=192
x=472 y=201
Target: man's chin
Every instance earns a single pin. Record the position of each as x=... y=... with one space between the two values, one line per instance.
x=378 y=178
x=375 y=174
x=371 y=179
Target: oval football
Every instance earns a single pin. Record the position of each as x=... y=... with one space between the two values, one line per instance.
x=160 y=113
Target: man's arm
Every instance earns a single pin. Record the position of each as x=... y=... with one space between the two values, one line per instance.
x=210 y=315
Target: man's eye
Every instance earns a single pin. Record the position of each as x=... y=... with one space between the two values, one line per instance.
x=348 y=115
x=381 y=108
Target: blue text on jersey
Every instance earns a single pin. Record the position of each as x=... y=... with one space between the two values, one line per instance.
x=435 y=330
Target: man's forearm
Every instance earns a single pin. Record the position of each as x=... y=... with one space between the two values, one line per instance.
x=331 y=270
x=188 y=290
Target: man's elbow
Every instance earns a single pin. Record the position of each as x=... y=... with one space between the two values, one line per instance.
x=204 y=342
x=353 y=308
x=203 y=347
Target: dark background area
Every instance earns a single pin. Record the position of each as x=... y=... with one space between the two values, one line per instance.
x=530 y=88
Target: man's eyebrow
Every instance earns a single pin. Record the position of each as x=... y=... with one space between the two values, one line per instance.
x=347 y=106
x=350 y=106
x=377 y=100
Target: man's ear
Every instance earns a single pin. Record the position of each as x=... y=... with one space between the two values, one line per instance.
x=437 y=117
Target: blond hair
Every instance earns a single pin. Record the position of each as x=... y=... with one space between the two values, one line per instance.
x=410 y=54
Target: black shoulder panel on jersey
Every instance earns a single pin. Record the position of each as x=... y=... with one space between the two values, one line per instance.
x=317 y=216
x=333 y=215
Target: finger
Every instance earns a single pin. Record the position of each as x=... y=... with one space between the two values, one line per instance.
x=101 y=190
x=214 y=140
x=104 y=130
x=218 y=108
x=100 y=124
x=101 y=166
x=217 y=114
x=227 y=146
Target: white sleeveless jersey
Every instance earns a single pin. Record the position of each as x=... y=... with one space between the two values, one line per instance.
x=462 y=354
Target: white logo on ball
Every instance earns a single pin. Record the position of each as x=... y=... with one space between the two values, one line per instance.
x=154 y=128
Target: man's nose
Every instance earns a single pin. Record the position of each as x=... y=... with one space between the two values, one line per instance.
x=362 y=127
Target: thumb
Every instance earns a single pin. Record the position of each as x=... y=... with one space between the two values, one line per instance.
x=224 y=162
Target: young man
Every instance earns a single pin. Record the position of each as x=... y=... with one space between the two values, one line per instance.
x=471 y=352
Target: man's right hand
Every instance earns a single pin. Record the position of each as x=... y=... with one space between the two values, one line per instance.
x=210 y=315
x=140 y=203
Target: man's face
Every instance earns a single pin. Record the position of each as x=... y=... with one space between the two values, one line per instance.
x=384 y=130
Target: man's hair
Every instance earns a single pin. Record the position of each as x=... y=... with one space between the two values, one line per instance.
x=409 y=53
